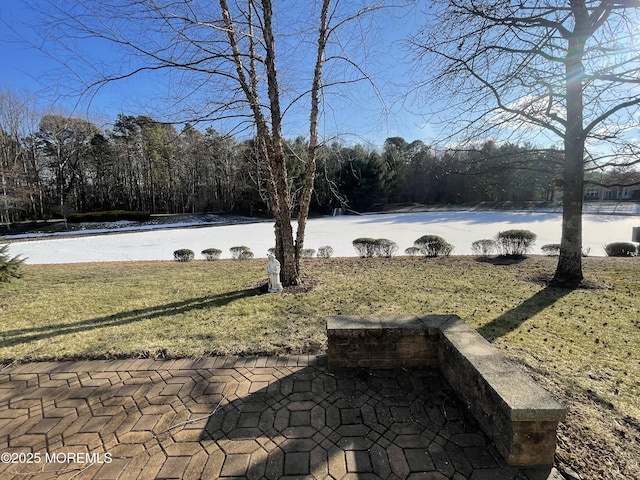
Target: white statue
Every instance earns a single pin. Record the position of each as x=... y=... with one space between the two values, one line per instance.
x=273 y=269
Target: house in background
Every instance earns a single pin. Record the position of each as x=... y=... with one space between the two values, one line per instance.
x=615 y=187
x=598 y=193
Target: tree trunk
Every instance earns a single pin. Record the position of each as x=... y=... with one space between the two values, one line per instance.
x=285 y=247
x=310 y=170
x=569 y=270
x=269 y=140
x=280 y=206
x=5 y=203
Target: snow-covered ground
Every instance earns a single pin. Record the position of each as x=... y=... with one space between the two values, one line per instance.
x=458 y=228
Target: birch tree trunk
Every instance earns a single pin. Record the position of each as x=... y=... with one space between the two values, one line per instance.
x=269 y=139
x=312 y=149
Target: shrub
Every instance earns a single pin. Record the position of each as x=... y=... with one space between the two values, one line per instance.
x=386 y=248
x=241 y=253
x=412 y=251
x=515 y=243
x=9 y=266
x=621 y=249
x=109 y=216
x=433 y=246
x=484 y=247
x=183 y=255
x=325 y=251
x=366 y=247
x=375 y=247
x=211 y=254
x=551 y=249
x=308 y=253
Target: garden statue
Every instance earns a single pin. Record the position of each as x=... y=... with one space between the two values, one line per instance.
x=273 y=269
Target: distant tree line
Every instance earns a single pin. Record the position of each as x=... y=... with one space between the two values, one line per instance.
x=70 y=165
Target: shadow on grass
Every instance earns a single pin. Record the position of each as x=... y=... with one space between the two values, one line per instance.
x=502 y=259
x=512 y=319
x=14 y=337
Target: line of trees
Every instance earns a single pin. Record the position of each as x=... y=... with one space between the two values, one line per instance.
x=70 y=165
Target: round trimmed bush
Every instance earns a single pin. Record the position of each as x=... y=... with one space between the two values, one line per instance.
x=366 y=247
x=515 y=243
x=551 y=249
x=386 y=248
x=183 y=255
x=325 y=251
x=433 y=246
x=211 y=254
x=412 y=251
x=484 y=247
x=621 y=249
x=241 y=253
x=375 y=247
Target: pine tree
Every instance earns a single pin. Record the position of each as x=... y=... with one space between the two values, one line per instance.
x=9 y=267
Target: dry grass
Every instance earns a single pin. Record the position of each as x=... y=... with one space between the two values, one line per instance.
x=581 y=344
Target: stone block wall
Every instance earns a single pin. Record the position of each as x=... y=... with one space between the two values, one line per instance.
x=389 y=342
x=519 y=416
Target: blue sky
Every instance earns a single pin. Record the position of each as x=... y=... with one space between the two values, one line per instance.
x=360 y=118
x=356 y=113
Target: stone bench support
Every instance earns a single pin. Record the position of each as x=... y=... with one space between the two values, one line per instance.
x=516 y=413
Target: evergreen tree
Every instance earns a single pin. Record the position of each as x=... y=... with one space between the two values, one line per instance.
x=9 y=267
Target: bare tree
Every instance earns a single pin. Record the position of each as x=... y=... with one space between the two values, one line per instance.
x=64 y=143
x=567 y=69
x=9 y=153
x=224 y=59
x=16 y=192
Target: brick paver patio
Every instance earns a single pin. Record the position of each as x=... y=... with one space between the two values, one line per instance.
x=234 y=417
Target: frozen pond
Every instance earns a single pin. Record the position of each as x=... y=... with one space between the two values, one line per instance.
x=458 y=228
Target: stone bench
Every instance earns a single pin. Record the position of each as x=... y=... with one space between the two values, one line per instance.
x=515 y=412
